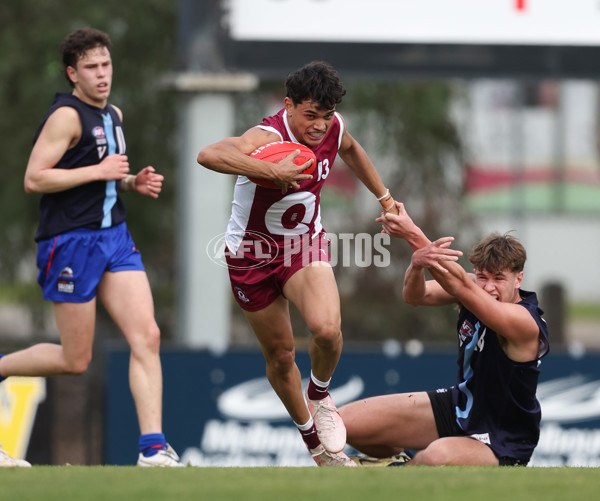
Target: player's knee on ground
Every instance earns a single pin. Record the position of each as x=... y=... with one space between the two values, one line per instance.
x=436 y=454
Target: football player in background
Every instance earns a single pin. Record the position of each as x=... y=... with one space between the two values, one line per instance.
x=78 y=165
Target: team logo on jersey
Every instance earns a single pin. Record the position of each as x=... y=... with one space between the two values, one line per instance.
x=98 y=132
x=101 y=142
x=66 y=282
x=466 y=331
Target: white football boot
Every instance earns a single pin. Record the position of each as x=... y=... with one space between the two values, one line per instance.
x=10 y=462
x=329 y=424
x=165 y=458
x=325 y=458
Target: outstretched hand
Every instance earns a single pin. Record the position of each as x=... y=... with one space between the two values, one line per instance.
x=432 y=255
x=148 y=182
x=398 y=223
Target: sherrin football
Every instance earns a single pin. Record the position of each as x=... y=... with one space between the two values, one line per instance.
x=277 y=151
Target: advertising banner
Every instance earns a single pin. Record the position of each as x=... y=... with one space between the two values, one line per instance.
x=20 y=398
x=222 y=411
x=426 y=21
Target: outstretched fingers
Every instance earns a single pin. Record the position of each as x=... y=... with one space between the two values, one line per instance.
x=433 y=255
x=444 y=252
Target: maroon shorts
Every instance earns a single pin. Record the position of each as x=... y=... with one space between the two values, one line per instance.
x=256 y=286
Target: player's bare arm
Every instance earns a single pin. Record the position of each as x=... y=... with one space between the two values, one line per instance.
x=355 y=157
x=61 y=132
x=231 y=156
x=420 y=292
x=516 y=328
x=401 y=225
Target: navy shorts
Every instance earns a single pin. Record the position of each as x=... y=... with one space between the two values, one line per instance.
x=445 y=422
x=72 y=264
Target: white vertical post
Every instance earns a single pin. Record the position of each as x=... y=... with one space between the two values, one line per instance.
x=204 y=206
x=206 y=115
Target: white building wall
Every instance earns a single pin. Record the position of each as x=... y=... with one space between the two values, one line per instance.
x=559 y=249
x=504 y=133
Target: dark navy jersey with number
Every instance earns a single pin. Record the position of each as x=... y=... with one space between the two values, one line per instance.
x=92 y=205
x=495 y=397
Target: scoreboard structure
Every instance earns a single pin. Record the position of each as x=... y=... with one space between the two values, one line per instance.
x=409 y=38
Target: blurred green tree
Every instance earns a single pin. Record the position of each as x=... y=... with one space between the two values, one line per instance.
x=409 y=130
x=406 y=127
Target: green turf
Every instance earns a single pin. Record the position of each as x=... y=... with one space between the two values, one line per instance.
x=81 y=483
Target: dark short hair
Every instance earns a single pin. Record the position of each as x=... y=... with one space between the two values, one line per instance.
x=318 y=82
x=497 y=253
x=76 y=44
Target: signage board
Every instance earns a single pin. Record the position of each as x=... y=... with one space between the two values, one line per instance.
x=221 y=410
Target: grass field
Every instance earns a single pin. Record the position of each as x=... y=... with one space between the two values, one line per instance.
x=81 y=483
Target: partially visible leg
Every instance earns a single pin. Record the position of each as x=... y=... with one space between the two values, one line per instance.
x=456 y=451
x=273 y=329
x=385 y=425
x=128 y=299
x=75 y=322
x=314 y=292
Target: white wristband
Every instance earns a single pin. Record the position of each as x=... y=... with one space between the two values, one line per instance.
x=384 y=195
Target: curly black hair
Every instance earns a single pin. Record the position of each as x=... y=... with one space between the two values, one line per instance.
x=317 y=82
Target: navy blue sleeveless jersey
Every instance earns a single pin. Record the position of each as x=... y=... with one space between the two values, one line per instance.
x=495 y=397
x=93 y=205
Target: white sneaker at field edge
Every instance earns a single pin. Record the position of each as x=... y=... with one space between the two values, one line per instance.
x=325 y=458
x=10 y=462
x=329 y=424
x=166 y=458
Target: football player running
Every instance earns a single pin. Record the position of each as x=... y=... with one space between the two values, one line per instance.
x=298 y=270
